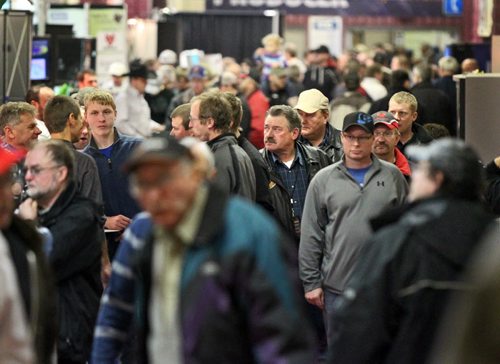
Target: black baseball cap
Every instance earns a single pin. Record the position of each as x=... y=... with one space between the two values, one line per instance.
x=360 y=119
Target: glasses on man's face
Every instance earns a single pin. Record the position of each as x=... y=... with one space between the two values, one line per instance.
x=359 y=139
x=385 y=134
x=36 y=170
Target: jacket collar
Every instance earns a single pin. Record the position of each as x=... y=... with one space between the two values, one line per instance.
x=63 y=201
x=116 y=139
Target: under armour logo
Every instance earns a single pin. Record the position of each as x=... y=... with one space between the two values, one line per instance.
x=380 y=183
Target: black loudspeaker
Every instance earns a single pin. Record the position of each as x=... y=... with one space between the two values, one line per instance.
x=15 y=54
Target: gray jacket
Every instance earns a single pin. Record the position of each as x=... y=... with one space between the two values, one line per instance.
x=335 y=222
x=235 y=173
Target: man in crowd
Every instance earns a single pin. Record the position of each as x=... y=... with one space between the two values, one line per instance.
x=386 y=135
x=75 y=255
x=316 y=130
x=115 y=319
x=340 y=201
x=86 y=78
x=403 y=106
x=293 y=162
x=18 y=132
x=180 y=121
x=38 y=96
x=211 y=120
x=64 y=120
x=202 y=251
x=27 y=302
x=110 y=150
x=133 y=115
x=415 y=261
x=18 y=127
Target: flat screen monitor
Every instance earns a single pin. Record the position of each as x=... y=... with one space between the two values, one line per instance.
x=40 y=59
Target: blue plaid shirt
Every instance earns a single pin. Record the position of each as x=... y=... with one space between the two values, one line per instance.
x=295 y=179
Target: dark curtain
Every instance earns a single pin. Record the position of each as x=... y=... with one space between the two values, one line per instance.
x=230 y=34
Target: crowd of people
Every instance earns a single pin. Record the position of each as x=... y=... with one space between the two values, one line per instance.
x=287 y=210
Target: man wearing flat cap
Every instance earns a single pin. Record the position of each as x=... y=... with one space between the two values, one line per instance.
x=316 y=130
x=386 y=135
x=211 y=270
x=340 y=200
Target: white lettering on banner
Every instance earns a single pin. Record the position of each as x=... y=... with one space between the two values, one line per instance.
x=313 y=4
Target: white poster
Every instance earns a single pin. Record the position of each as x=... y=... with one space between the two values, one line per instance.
x=111 y=47
x=328 y=31
x=77 y=17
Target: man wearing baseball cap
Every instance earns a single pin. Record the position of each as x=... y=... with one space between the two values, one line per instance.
x=316 y=130
x=386 y=135
x=340 y=201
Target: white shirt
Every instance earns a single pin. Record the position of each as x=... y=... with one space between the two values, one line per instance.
x=133 y=115
x=43 y=128
x=373 y=88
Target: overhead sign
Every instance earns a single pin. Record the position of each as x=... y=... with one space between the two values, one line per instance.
x=453 y=7
x=398 y=8
x=326 y=30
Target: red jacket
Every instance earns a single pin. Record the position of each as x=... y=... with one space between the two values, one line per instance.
x=258 y=104
x=402 y=163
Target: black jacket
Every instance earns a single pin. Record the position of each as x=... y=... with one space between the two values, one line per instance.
x=438 y=108
x=420 y=136
x=316 y=159
x=493 y=187
x=262 y=177
x=36 y=285
x=332 y=146
x=235 y=172
x=75 y=224
x=394 y=301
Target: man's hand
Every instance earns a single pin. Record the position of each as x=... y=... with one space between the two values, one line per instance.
x=118 y=222
x=316 y=297
x=28 y=209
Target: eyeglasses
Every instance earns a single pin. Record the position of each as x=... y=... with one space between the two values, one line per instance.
x=359 y=139
x=35 y=171
x=385 y=134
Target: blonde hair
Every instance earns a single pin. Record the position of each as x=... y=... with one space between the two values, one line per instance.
x=272 y=39
x=404 y=97
x=101 y=97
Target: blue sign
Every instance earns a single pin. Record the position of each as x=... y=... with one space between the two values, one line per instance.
x=453 y=7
